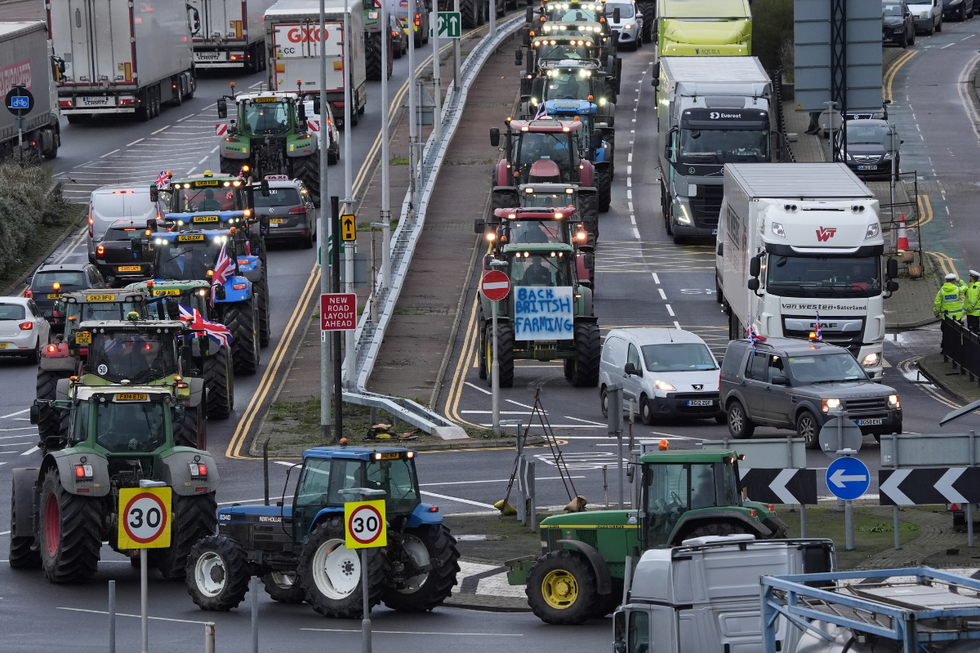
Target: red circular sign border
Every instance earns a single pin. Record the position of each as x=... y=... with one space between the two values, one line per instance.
x=380 y=521
x=495 y=272
x=163 y=521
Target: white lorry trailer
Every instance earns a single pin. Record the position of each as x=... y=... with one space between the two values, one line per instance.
x=711 y=111
x=228 y=33
x=293 y=34
x=705 y=596
x=798 y=242
x=121 y=58
x=25 y=59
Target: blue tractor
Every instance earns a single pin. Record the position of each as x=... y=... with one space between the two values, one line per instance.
x=299 y=550
x=194 y=255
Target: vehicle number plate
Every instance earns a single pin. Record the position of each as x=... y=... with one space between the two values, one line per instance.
x=205 y=218
x=83 y=337
x=390 y=456
x=208 y=56
x=168 y=291
x=98 y=101
x=100 y=298
x=191 y=238
x=700 y=402
x=129 y=268
x=871 y=421
x=3 y=345
x=131 y=396
x=714 y=232
x=867 y=167
x=275 y=221
x=54 y=295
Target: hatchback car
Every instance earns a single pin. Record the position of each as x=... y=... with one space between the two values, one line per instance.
x=629 y=27
x=667 y=373
x=958 y=9
x=52 y=280
x=867 y=148
x=897 y=25
x=795 y=384
x=928 y=16
x=23 y=329
x=115 y=257
x=287 y=212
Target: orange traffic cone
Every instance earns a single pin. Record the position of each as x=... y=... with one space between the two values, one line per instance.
x=903 y=237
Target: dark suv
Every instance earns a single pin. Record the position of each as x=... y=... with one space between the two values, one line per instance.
x=795 y=384
x=287 y=212
x=52 y=280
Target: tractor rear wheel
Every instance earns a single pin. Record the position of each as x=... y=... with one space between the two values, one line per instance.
x=330 y=573
x=191 y=431
x=307 y=170
x=192 y=518
x=70 y=532
x=587 y=352
x=262 y=297
x=373 y=46
x=219 y=381
x=50 y=423
x=229 y=166
x=609 y=602
x=561 y=588
x=282 y=587
x=470 y=9
x=505 y=352
x=21 y=556
x=432 y=547
x=240 y=320
x=603 y=183
x=217 y=573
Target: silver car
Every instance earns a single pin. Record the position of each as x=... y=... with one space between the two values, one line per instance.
x=629 y=27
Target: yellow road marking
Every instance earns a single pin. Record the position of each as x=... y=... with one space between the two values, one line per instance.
x=945 y=262
x=965 y=100
x=925 y=211
x=893 y=70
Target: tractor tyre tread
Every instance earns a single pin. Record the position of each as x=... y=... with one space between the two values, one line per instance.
x=438 y=585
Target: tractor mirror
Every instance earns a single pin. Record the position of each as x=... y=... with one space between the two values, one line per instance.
x=518 y=57
x=891 y=268
x=204 y=343
x=537 y=89
x=35 y=414
x=265 y=188
x=219 y=293
x=301 y=113
x=222 y=108
x=136 y=244
x=631 y=370
x=154 y=193
x=479 y=226
x=616 y=15
x=173 y=308
x=529 y=17
x=754 y=266
x=151 y=225
x=494 y=136
x=316 y=104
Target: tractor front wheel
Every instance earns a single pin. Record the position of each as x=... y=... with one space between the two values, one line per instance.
x=240 y=320
x=505 y=354
x=561 y=588
x=431 y=550
x=330 y=573
x=587 y=352
x=220 y=383
x=71 y=532
x=217 y=573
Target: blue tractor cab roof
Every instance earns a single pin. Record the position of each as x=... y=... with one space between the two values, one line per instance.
x=358 y=453
x=566 y=107
x=204 y=219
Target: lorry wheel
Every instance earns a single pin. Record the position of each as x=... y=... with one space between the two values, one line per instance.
x=719 y=293
x=372 y=56
x=432 y=550
x=21 y=556
x=330 y=573
x=217 y=573
x=604 y=187
x=49 y=144
x=505 y=350
x=739 y=424
x=244 y=338
x=561 y=588
x=262 y=297
x=49 y=422
x=307 y=169
x=604 y=401
x=192 y=518
x=189 y=431
x=587 y=352
x=70 y=532
x=808 y=429
x=282 y=587
x=218 y=381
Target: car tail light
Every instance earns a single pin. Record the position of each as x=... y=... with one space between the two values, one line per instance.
x=26 y=326
x=100 y=251
x=418 y=20
x=28 y=293
x=91 y=222
x=298 y=209
x=198 y=470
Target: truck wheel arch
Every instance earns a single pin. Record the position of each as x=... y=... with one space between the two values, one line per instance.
x=599 y=566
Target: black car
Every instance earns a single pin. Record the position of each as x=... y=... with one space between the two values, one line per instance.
x=115 y=257
x=897 y=24
x=287 y=212
x=867 y=149
x=958 y=9
x=51 y=281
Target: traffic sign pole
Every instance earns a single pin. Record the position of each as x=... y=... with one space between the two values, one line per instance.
x=374 y=536
x=456 y=54
x=495 y=285
x=495 y=376
x=493 y=18
x=436 y=80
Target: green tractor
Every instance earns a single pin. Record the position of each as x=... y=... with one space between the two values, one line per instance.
x=119 y=437
x=269 y=133
x=374 y=40
x=680 y=495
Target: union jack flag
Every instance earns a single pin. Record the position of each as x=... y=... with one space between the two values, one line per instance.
x=217 y=332
x=163 y=179
x=542 y=112
x=224 y=267
x=753 y=336
x=817 y=333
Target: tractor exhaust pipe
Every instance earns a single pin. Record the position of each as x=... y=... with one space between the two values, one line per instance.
x=265 y=468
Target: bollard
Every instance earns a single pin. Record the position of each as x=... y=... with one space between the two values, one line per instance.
x=209 y=637
x=533 y=508
x=112 y=616
x=253 y=589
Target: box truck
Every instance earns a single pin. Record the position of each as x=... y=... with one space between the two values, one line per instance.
x=703 y=28
x=800 y=245
x=228 y=33
x=25 y=59
x=120 y=57
x=293 y=33
x=710 y=112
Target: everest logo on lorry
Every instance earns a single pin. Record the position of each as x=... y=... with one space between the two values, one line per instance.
x=826 y=233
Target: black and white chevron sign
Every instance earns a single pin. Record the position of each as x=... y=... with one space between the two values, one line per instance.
x=914 y=487
x=788 y=486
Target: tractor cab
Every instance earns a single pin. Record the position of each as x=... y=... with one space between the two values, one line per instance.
x=192 y=256
x=553 y=143
x=558 y=11
x=107 y=304
x=133 y=352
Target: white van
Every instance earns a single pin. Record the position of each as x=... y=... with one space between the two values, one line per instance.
x=668 y=373
x=111 y=203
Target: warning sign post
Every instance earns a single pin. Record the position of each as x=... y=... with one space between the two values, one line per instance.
x=364 y=528
x=144 y=523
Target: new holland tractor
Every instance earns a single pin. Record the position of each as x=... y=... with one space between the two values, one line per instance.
x=299 y=550
x=119 y=437
x=677 y=495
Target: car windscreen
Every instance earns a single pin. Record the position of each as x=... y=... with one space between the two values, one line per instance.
x=11 y=312
x=891 y=10
x=858 y=134
x=625 y=9
x=278 y=197
x=130 y=427
x=678 y=357
x=67 y=280
x=826 y=368
x=120 y=233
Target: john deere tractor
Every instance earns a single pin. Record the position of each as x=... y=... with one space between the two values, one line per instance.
x=269 y=133
x=119 y=437
x=678 y=495
x=298 y=550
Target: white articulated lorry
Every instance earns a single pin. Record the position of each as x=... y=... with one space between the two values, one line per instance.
x=25 y=59
x=228 y=33
x=711 y=111
x=121 y=58
x=798 y=241
x=293 y=35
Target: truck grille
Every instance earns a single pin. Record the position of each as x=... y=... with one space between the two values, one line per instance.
x=706 y=205
x=865 y=405
x=850 y=340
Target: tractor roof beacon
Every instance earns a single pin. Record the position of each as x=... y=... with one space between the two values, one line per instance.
x=298 y=549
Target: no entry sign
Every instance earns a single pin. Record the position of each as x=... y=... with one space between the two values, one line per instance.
x=495 y=285
x=338 y=312
x=144 y=518
x=365 y=524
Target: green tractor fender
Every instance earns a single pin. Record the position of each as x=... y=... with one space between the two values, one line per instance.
x=197 y=392
x=599 y=566
x=61 y=390
x=66 y=460
x=175 y=471
x=735 y=516
x=25 y=500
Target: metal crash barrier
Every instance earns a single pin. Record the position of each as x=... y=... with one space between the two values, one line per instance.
x=961 y=347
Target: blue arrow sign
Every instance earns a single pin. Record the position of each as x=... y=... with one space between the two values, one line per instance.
x=848 y=478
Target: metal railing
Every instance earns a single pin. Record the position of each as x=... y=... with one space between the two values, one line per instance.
x=785 y=153
x=961 y=347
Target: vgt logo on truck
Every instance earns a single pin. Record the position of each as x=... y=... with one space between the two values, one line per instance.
x=305 y=34
x=826 y=233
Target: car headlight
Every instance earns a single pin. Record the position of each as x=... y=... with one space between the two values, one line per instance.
x=628 y=26
x=663 y=386
x=893 y=401
x=887 y=157
x=683 y=217
x=848 y=157
x=871 y=360
x=924 y=15
x=827 y=405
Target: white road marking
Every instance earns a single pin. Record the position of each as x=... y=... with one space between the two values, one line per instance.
x=670 y=310
x=636 y=233
x=134 y=142
x=477 y=387
x=948 y=45
x=19 y=412
x=215 y=149
x=191 y=171
x=407 y=632
x=204 y=160
x=136 y=616
x=663 y=295
x=656 y=278
x=160 y=130
x=185 y=118
x=489 y=480
x=457 y=499
x=109 y=153
x=677 y=325
x=30 y=451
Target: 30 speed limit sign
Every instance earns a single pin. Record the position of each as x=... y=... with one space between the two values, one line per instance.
x=144 y=518
x=365 y=524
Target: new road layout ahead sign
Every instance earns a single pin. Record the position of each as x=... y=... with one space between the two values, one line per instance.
x=338 y=311
x=450 y=25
